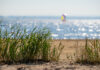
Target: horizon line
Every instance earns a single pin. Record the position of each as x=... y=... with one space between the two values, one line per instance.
x=43 y=16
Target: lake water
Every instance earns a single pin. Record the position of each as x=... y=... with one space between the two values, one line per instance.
x=73 y=28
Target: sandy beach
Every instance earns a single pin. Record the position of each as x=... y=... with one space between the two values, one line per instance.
x=65 y=63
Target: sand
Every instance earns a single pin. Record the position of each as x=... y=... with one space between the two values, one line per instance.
x=65 y=63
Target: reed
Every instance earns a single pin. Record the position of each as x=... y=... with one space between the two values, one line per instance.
x=56 y=52
x=90 y=52
x=17 y=45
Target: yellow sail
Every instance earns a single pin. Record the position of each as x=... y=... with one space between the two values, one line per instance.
x=63 y=18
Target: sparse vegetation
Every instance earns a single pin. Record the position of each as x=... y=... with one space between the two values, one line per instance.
x=90 y=53
x=17 y=45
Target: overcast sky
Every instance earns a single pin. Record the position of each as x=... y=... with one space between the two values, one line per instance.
x=49 y=7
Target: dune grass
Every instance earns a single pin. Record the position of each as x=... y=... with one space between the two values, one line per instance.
x=90 y=53
x=17 y=45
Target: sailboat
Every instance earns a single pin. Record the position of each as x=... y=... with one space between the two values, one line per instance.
x=63 y=18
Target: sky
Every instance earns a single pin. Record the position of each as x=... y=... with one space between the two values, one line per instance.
x=49 y=7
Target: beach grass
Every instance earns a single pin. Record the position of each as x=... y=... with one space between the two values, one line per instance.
x=17 y=45
x=90 y=53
